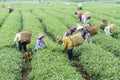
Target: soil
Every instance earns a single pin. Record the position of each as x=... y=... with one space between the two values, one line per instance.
x=25 y=73
x=26 y=69
x=84 y=74
x=79 y=67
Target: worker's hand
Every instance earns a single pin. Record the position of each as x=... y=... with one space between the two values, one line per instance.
x=40 y=48
x=46 y=47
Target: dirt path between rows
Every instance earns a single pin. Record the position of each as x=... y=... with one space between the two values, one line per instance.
x=27 y=66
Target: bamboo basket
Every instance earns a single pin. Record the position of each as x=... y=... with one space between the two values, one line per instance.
x=103 y=23
x=92 y=30
x=25 y=36
x=76 y=39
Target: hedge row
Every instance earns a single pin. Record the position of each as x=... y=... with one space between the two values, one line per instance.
x=100 y=64
x=49 y=63
x=11 y=60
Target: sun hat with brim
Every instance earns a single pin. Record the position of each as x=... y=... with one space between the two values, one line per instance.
x=58 y=39
x=41 y=36
x=79 y=27
x=87 y=14
x=113 y=26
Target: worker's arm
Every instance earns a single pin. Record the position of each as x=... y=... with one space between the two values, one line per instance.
x=16 y=37
x=44 y=43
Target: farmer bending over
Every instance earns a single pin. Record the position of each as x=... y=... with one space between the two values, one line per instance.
x=40 y=42
x=108 y=29
x=67 y=45
x=21 y=45
x=85 y=34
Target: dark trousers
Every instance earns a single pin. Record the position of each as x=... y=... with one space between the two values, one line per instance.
x=10 y=10
x=70 y=54
x=22 y=46
x=83 y=32
x=80 y=19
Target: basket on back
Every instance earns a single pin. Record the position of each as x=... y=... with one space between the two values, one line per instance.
x=25 y=36
x=76 y=39
x=103 y=23
x=92 y=30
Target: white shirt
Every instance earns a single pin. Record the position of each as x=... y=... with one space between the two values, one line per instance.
x=17 y=37
x=79 y=27
x=84 y=19
x=107 y=30
x=79 y=5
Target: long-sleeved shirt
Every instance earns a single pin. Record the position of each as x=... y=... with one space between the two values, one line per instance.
x=17 y=37
x=67 y=43
x=84 y=20
x=107 y=30
x=40 y=43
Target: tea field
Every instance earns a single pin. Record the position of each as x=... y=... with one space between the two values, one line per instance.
x=97 y=61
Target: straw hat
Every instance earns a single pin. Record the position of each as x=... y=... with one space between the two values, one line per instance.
x=41 y=36
x=79 y=27
x=58 y=39
x=87 y=14
x=112 y=26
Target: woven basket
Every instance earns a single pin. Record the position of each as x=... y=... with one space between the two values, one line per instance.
x=103 y=23
x=76 y=39
x=25 y=36
x=92 y=30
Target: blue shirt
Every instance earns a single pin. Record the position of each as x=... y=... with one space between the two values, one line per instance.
x=40 y=43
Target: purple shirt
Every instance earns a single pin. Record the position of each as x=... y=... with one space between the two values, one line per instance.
x=40 y=43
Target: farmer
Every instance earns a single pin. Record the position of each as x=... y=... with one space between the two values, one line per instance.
x=21 y=45
x=85 y=18
x=108 y=29
x=3 y=6
x=10 y=10
x=79 y=6
x=79 y=15
x=70 y=31
x=104 y=23
x=67 y=45
x=85 y=34
x=40 y=42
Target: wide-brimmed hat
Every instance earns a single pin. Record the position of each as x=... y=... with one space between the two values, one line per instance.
x=79 y=27
x=87 y=14
x=112 y=26
x=41 y=36
x=58 y=39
